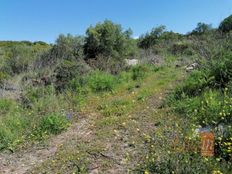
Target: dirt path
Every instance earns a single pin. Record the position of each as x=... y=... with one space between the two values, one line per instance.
x=20 y=162
x=122 y=151
x=98 y=143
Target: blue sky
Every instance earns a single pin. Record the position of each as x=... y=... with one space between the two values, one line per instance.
x=46 y=19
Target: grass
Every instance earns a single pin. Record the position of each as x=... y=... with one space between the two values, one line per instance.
x=128 y=130
x=21 y=124
x=120 y=119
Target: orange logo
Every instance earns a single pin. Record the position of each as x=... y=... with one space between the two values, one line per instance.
x=207 y=143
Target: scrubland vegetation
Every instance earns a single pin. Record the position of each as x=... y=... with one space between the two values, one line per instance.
x=152 y=108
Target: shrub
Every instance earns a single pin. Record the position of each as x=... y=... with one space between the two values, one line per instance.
x=51 y=124
x=100 y=81
x=150 y=39
x=18 y=58
x=182 y=163
x=68 y=70
x=139 y=72
x=107 y=64
x=226 y=24
x=109 y=40
x=181 y=48
x=202 y=28
x=193 y=85
x=31 y=95
x=79 y=84
x=3 y=76
x=5 y=105
x=13 y=127
x=67 y=47
x=5 y=138
x=221 y=70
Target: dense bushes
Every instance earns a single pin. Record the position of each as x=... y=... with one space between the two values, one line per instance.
x=68 y=70
x=201 y=28
x=100 y=81
x=221 y=69
x=226 y=24
x=51 y=124
x=3 y=77
x=66 y=47
x=107 y=39
x=19 y=57
x=20 y=125
x=150 y=39
x=193 y=85
x=205 y=99
x=138 y=72
x=183 y=163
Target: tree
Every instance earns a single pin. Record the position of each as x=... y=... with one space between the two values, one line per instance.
x=67 y=47
x=226 y=24
x=150 y=39
x=18 y=58
x=202 y=28
x=106 y=39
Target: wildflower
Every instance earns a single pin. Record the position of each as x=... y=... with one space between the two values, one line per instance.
x=146 y=172
x=217 y=172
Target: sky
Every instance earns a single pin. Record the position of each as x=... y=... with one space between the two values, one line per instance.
x=44 y=20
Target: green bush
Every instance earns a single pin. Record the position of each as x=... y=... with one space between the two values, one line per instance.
x=31 y=95
x=182 y=163
x=151 y=38
x=226 y=24
x=221 y=70
x=3 y=76
x=139 y=72
x=108 y=39
x=13 y=127
x=79 y=84
x=5 y=105
x=202 y=28
x=51 y=124
x=68 y=70
x=182 y=48
x=193 y=85
x=99 y=81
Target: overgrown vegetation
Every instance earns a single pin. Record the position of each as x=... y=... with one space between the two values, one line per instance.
x=44 y=88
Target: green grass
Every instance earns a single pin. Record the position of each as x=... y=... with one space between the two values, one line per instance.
x=117 y=111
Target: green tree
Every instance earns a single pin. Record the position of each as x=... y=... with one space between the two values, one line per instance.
x=202 y=28
x=151 y=38
x=107 y=39
x=67 y=47
x=18 y=59
x=226 y=24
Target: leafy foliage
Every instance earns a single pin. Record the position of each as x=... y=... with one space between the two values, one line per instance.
x=107 y=39
x=51 y=124
x=68 y=70
x=226 y=24
x=67 y=47
x=202 y=28
x=99 y=81
x=150 y=39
